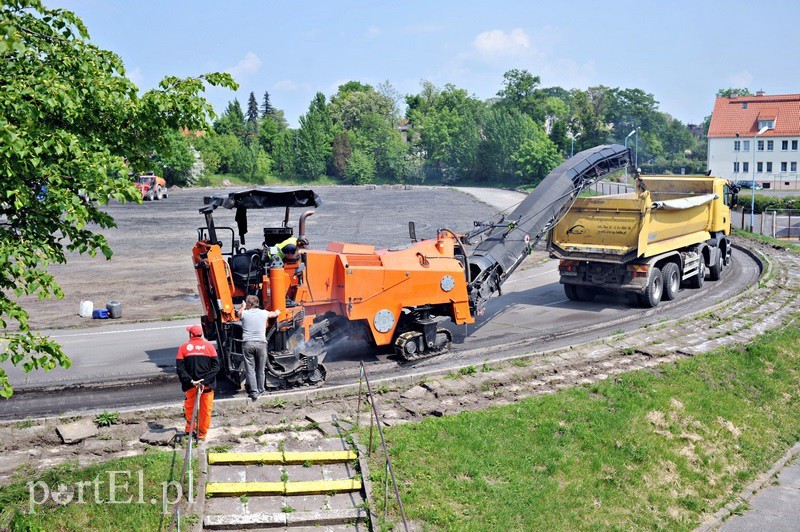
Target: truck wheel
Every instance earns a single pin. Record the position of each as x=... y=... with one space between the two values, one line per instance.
x=715 y=271
x=586 y=293
x=655 y=289
x=149 y=196
x=160 y=193
x=671 y=280
x=571 y=292
x=697 y=280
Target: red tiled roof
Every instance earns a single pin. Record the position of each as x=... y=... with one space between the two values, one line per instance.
x=730 y=118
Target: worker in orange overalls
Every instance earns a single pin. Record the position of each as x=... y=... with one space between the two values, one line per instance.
x=197 y=364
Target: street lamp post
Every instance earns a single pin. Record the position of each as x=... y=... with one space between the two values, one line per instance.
x=626 y=146
x=753 y=189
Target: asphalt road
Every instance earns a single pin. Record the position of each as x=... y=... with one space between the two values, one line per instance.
x=532 y=314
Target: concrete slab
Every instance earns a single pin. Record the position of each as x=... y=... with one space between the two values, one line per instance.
x=264 y=473
x=325 y=517
x=100 y=447
x=78 y=431
x=224 y=506
x=414 y=393
x=778 y=500
x=159 y=436
x=790 y=477
x=338 y=471
x=306 y=503
x=264 y=504
x=237 y=522
x=325 y=416
x=220 y=473
x=341 y=501
x=298 y=473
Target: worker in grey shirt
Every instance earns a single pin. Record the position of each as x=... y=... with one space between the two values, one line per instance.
x=254 y=340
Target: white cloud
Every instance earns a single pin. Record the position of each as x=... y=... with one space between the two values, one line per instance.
x=135 y=76
x=740 y=79
x=249 y=65
x=499 y=43
x=288 y=85
x=373 y=32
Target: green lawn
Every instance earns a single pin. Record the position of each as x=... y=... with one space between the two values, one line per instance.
x=157 y=467
x=644 y=450
x=768 y=240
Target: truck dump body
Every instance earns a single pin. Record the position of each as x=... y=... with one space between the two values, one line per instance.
x=670 y=213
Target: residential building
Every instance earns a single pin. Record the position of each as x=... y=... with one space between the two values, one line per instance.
x=731 y=142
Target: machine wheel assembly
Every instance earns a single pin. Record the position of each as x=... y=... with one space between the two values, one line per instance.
x=571 y=291
x=655 y=289
x=671 y=280
x=717 y=265
x=699 y=278
x=586 y=293
x=411 y=345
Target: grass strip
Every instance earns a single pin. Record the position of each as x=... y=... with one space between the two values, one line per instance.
x=144 y=509
x=782 y=244
x=658 y=448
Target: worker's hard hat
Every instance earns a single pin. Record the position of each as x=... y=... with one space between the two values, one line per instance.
x=195 y=330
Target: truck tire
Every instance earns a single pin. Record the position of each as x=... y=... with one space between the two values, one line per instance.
x=570 y=290
x=654 y=291
x=586 y=293
x=715 y=271
x=149 y=196
x=160 y=193
x=697 y=280
x=671 y=278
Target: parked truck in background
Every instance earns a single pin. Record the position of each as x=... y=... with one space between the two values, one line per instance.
x=672 y=231
x=152 y=187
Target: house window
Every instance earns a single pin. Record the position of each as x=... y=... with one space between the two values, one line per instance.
x=745 y=166
x=759 y=167
x=745 y=145
x=770 y=145
x=783 y=167
x=736 y=145
x=784 y=145
x=760 y=145
x=769 y=167
x=794 y=145
x=793 y=167
x=766 y=185
x=769 y=124
x=786 y=183
x=735 y=168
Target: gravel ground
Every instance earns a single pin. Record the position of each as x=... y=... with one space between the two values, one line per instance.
x=151 y=272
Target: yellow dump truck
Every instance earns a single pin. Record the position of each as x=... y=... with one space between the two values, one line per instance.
x=672 y=231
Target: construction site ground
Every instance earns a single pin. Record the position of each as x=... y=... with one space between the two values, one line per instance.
x=151 y=271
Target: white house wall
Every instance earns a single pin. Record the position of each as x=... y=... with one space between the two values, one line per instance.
x=721 y=159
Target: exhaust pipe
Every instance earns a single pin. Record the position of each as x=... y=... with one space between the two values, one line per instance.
x=302 y=228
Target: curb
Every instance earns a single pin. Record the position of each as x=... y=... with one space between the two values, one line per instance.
x=724 y=513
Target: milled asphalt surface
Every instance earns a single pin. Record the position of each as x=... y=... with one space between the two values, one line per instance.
x=776 y=508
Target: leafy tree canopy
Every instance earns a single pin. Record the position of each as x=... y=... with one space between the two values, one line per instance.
x=72 y=127
x=733 y=92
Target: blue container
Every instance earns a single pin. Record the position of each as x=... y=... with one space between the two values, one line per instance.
x=100 y=314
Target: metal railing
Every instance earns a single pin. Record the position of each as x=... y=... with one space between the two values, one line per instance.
x=187 y=459
x=374 y=419
x=782 y=224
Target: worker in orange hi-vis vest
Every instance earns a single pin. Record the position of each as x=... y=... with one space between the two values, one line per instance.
x=198 y=365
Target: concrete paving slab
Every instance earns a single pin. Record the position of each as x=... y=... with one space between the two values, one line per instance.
x=159 y=436
x=790 y=477
x=266 y=504
x=224 y=473
x=339 y=501
x=416 y=392
x=752 y=522
x=224 y=506
x=298 y=473
x=306 y=503
x=263 y=473
x=778 y=500
x=338 y=471
x=78 y=431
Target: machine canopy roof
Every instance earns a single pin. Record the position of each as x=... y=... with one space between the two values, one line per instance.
x=262 y=199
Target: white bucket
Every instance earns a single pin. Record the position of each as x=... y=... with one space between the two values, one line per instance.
x=86 y=309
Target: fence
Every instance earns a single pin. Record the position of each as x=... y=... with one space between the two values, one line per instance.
x=783 y=224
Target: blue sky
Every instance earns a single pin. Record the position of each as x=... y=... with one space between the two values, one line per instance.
x=682 y=52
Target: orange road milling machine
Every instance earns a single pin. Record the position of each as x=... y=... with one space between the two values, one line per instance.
x=395 y=297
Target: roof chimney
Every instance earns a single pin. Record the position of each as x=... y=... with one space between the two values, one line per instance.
x=760 y=92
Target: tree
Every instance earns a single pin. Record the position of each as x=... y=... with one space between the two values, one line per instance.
x=520 y=91
x=232 y=120
x=361 y=168
x=504 y=130
x=176 y=160
x=252 y=114
x=536 y=158
x=341 y=154
x=266 y=106
x=733 y=93
x=69 y=122
x=314 y=139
